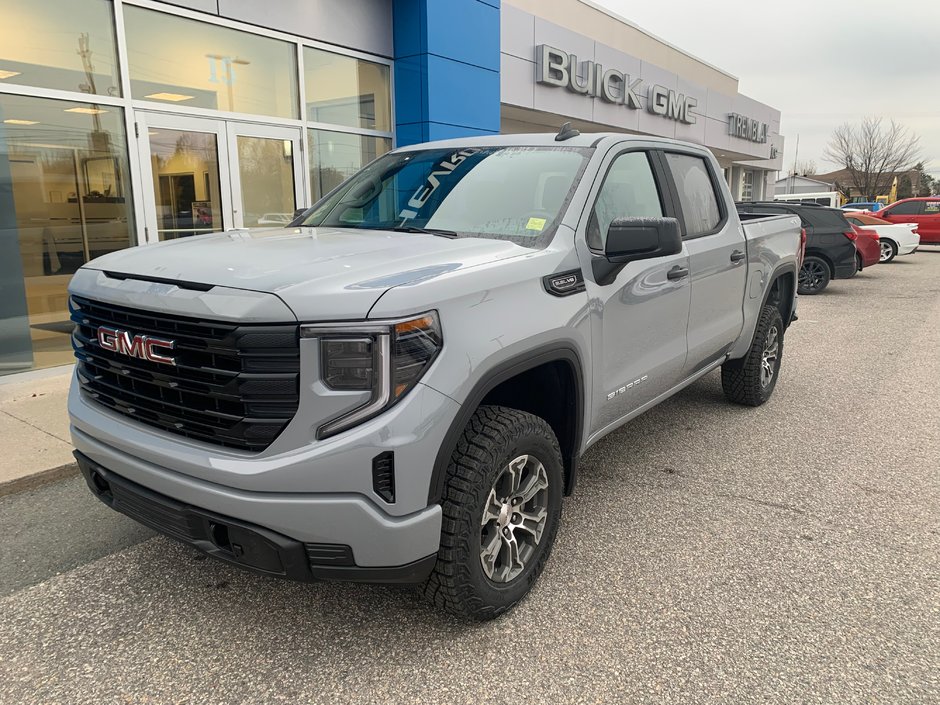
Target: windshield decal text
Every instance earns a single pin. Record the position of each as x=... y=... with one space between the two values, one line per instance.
x=431 y=184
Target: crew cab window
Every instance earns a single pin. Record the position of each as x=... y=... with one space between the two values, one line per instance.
x=629 y=191
x=908 y=208
x=697 y=196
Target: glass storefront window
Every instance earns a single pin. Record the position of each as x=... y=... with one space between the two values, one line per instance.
x=335 y=156
x=346 y=91
x=64 y=199
x=178 y=61
x=60 y=44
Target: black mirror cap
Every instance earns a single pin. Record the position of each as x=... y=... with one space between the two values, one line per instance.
x=297 y=219
x=631 y=239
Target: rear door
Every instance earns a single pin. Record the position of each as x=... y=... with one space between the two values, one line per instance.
x=639 y=316
x=929 y=225
x=717 y=257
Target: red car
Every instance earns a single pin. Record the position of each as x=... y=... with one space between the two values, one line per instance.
x=923 y=211
x=867 y=246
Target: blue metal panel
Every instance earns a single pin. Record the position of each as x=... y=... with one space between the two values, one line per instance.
x=441 y=131
x=446 y=68
x=462 y=94
x=466 y=31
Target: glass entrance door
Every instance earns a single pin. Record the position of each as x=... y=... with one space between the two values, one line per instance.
x=211 y=175
x=267 y=183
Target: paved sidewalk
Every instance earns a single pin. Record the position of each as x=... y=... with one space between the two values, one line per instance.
x=34 y=430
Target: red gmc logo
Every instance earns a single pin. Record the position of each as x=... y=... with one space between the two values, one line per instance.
x=144 y=347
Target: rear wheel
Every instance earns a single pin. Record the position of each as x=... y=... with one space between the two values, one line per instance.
x=889 y=250
x=814 y=276
x=751 y=379
x=501 y=510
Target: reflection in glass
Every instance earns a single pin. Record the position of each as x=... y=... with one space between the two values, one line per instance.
x=178 y=61
x=64 y=199
x=346 y=91
x=266 y=172
x=185 y=182
x=335 y=156
x=60 y=44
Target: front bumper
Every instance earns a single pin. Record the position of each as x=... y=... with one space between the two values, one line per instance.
x=246 y=545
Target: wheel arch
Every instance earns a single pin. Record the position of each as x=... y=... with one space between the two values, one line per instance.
x=556 y=373
x=781 y=290
x=825 y=258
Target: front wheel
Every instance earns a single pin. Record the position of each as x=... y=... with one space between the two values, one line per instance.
x=751 y=379
x=814 y=276
x=501 y=510
x=889 y=250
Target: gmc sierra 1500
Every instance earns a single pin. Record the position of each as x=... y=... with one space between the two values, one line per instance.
x=398 y=387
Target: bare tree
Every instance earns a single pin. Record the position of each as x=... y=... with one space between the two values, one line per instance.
x=873 y=153
x=806 y=167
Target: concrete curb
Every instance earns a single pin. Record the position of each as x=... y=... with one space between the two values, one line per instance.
x=38 y=479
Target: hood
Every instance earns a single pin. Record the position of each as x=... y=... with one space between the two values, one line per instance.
x=320 y=273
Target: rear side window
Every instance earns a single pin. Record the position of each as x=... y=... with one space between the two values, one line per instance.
x=829 y=218
x=931 y=207
x=629 y=191
x=908 y=208
x=697 y=195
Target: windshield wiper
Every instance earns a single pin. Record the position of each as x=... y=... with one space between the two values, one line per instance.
x=427 y=231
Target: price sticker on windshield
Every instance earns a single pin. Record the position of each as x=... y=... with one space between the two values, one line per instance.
x=535 y=224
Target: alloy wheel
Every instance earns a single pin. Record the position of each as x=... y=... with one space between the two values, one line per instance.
x=812 y=275
x=514 y=518
x=885 y=251
x=768 y=359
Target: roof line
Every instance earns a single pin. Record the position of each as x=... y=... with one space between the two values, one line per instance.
x=621 y=18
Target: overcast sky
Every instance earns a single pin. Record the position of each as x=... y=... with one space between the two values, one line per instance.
x=820 y=63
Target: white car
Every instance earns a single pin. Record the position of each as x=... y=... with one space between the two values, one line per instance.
x=277 y=219
x=895 y=238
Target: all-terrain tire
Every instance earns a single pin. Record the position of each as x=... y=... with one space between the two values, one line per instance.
x=494 y=436
x=742 y=380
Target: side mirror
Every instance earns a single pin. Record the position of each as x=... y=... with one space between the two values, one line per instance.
x=631 y=239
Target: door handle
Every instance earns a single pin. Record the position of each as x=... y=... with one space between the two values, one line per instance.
x=677 y=272
x=737 y=256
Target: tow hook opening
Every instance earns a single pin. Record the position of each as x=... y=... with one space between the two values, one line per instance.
x=102 y=487
x=218 y=533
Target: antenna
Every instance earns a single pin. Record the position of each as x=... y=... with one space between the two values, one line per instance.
x=566 y=133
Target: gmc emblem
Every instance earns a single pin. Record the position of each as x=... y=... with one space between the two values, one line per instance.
x=141 y=346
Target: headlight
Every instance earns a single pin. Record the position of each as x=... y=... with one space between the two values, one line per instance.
x=386 y=358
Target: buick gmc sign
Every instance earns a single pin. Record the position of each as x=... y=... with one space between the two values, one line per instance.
x=559 y=68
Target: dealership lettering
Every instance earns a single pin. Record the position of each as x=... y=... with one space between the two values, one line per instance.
x=559 y=68
x=747 y=128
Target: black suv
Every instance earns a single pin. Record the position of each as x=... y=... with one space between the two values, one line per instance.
x=830 y=249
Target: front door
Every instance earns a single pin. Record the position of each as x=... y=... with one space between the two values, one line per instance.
x=210 y=175
x=639 y=333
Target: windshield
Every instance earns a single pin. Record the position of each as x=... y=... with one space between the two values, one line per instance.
x=500 y=192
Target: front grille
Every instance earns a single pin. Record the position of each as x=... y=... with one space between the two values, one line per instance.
x=232 y=385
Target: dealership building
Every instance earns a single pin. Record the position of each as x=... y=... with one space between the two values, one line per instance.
x=128 y=122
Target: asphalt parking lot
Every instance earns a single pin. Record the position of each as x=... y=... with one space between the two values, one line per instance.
x=712 y=553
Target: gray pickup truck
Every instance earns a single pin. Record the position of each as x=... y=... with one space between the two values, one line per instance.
x=399 y=386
